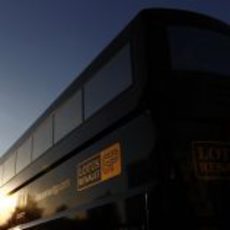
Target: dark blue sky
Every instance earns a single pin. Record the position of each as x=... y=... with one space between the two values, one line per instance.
x=45 y=44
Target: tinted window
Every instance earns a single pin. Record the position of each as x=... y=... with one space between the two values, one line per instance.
x=9 y=168
x=42 y=138
x=68 y=116
x=24 y=155
x=121 y=215
x=199 y=50
x=108 y=82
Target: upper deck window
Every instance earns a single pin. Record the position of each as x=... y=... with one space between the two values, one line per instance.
x=199 y=50
x=68 y=116
x=112 y=79
x=42 y=138
x=9 y=167
x=24 y=155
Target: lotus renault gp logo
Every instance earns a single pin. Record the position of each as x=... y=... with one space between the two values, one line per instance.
x=100 y=167
x=212 y=160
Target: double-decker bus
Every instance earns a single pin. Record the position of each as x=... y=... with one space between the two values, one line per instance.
x=139 y=141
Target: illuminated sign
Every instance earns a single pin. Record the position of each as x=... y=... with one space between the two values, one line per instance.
x=100 y=167
x=212 y=160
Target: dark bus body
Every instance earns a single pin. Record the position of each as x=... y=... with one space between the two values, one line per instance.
x=151 y=149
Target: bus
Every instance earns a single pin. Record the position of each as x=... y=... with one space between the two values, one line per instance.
x=140 y=140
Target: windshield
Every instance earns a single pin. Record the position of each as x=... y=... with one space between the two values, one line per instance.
x=200 y=50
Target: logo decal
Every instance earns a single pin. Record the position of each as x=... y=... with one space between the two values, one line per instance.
x=100 y=167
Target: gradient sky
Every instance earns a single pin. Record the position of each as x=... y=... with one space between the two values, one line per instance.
x=45 y=44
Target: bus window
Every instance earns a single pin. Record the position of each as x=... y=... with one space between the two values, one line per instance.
x=199 y=50
x=124 y=215
x=108 y=82
x=68 y=116
x=24 y=155
x=42 y=138
x=9 y=168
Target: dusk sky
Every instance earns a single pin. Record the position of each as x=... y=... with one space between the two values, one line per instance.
x=45 y=44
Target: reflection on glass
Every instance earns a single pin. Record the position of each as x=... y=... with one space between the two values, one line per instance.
x=7 y=207
x=68 y=116
x=199 y=50
x=24 y=155
x=42 y=138
x=9 y=168
x=14 y=213
x=111 y=80
x=121 y=215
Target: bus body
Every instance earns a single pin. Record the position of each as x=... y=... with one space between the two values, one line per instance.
x=140 y=140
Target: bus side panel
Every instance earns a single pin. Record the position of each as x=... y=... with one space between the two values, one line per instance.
x=80 y=182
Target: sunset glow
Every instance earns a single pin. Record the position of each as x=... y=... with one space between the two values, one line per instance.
x=7 y=207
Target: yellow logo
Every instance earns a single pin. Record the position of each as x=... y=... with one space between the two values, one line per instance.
x=100 y=167
x=111 y=162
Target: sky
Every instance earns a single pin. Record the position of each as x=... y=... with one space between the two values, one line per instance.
x=46 y=44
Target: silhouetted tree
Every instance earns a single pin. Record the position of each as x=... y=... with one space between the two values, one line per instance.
x=25 y=214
